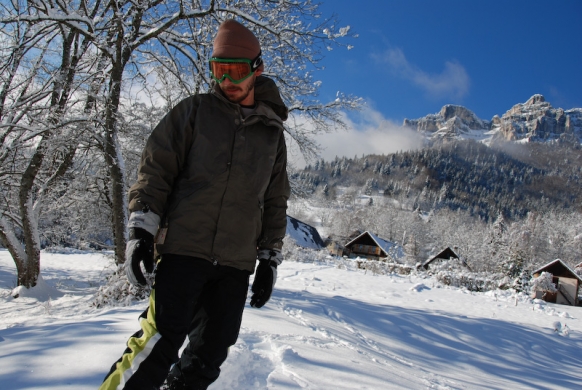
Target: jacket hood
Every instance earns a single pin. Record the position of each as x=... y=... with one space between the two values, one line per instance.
x=267 y=92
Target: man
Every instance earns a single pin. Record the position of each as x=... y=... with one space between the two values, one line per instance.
x=212 y=194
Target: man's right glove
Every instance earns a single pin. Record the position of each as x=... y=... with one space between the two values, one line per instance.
x=139 y=249
x=143 y=225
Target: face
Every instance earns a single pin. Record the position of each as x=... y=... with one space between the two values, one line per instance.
x=243 y=93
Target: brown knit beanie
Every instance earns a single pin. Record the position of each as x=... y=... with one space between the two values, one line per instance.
x=233 y=40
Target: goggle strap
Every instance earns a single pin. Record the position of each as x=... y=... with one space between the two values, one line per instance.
x=257 y=61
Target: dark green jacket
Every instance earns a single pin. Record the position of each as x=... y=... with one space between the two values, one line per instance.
x=218 y=180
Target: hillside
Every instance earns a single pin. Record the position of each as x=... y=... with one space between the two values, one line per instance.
x=511 y=179
x=505 y=204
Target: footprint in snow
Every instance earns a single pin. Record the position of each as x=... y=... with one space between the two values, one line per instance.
x=419 y=287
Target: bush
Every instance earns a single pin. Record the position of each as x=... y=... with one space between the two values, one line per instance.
x=117 y=291
x=470 y=281
x=378 y=267
x=544 y=283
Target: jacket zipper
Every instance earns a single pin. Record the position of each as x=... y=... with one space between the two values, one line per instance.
x=229 y=164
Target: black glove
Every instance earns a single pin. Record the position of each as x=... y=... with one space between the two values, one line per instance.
x=140 y=248
x=265 y=278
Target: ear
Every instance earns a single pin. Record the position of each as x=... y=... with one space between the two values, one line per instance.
x=259 y=71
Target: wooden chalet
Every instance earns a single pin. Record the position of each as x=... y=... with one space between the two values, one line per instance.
x=369 y=246
x=444 y=255
x=566 y=280
x=334 y=248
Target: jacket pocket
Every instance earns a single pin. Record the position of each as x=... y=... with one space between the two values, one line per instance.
x=178 y=198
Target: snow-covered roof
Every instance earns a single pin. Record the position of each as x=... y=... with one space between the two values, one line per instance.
x=551 y=263
x=303 y=234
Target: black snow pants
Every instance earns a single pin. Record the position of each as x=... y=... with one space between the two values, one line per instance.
x=191 y=297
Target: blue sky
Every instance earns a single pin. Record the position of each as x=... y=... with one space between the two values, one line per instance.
x=412 y=57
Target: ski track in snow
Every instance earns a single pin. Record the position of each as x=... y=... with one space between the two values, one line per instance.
x=324 y=328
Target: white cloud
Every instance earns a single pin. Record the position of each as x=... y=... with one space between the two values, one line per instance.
x=368 y=133
x=452 y=82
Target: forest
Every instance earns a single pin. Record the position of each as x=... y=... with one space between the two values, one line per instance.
x=506 y=178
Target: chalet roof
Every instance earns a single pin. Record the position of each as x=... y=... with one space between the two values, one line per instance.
x=385 y=245
x=557 y=263
x=446 y=254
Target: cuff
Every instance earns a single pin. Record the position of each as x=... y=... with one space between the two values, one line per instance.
x=274 y=255
x=149 y=221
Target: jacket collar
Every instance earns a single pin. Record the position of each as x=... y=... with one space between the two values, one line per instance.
x=267 y=95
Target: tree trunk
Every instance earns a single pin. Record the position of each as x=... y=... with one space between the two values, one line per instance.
x=29 y=269
x=115 y=165
x=117 y=196
x=11 y=242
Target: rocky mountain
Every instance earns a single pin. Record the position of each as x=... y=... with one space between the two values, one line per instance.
x=505 y=165
x=535 y=120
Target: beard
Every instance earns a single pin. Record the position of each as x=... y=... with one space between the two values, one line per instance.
x=236 y=93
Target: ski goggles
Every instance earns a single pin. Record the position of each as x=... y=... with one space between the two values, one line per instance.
x=236 y=69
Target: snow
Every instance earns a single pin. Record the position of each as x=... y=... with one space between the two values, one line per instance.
x=324 y=328
x=42 y=291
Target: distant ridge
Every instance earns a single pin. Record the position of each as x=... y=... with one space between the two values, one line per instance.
x=533 y=121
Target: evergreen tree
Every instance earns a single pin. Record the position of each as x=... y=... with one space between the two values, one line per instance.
x=522 y=282
x=366 y=164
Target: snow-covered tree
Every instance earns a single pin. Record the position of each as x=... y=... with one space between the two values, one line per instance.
x=522 y=282
x=42 y=123
x=365 y=164
x=111 y=53
x=543 y=283
x=370 y=186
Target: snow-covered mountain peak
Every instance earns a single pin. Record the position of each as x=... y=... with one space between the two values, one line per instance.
x=534 y=120
x=537 y=120
x=536 y=104
x=535 y=99
x=450 y=111
x=452 y=121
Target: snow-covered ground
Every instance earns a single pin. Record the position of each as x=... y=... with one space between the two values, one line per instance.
x=325 y=328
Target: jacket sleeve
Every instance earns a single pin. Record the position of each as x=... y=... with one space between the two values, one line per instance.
x=275 y=206
x=163 y=157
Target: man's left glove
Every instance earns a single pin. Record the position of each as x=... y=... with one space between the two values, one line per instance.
x=140 y=247
x=265 y=276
